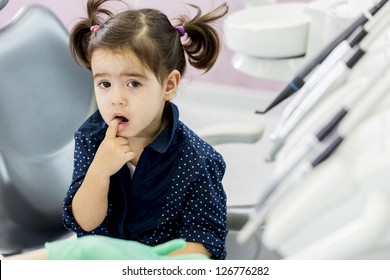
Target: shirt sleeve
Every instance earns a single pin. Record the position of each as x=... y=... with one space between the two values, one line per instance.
x=84 y=152
x=204 y=213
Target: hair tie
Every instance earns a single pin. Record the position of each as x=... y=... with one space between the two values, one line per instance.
x=181 y=30
x=94 y=28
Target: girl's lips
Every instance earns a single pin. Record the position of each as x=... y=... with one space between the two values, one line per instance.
x=123 y=124
x=119 y=115
x=121 y=118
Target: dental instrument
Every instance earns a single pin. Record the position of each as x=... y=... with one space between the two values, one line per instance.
x=300 y=78
x=361 y=110
x=356 y=108
x=374 y=25
x=334 y=76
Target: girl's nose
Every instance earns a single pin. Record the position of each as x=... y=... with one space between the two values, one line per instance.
x=118 y=99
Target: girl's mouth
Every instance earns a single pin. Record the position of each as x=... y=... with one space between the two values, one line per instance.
x=123 y=120
x=123 y=123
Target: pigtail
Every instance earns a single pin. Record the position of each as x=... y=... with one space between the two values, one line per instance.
x=203 y=43
x=81 y=34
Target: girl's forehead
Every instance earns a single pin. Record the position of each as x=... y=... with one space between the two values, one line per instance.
x=107 y=60
x=118 y=62
x=115 y=55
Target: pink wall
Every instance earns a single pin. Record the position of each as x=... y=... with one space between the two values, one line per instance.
x=223 y=72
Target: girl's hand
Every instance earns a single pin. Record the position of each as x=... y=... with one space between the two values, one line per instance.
x=113 y=152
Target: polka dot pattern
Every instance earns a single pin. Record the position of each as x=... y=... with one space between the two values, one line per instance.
x=176 y=190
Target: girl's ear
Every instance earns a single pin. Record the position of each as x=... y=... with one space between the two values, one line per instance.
x=171 y=84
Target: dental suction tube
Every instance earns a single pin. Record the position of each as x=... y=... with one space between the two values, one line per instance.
x=299 y=80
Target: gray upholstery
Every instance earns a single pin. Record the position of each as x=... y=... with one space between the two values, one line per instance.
x=44 y=97
x=3 y=3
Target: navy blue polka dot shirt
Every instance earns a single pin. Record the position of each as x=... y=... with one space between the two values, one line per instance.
x=175 y=191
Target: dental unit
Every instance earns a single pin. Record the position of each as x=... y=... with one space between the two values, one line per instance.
x=335 y=56
x=299 y=80
x=331 y=134
x=334 y=76
x=375 y=25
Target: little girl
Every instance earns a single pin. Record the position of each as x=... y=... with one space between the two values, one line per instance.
x=140 y=173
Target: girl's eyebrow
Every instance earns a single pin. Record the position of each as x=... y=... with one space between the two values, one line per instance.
x=99 y=75
x=130 y=74
x=135 y=74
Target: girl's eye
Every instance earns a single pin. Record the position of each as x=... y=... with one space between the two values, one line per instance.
x=133 y=84
x=104 y=85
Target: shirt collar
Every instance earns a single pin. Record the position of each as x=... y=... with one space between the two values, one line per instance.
x=164 y=140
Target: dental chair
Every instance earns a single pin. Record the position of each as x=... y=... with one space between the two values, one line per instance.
x=244 y=132
x=3 y=3
x=44 y=97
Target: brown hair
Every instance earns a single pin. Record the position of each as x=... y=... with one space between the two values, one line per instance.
x=150 y=35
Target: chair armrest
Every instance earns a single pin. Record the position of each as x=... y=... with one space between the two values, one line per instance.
x=4 y=176
x=240 y=132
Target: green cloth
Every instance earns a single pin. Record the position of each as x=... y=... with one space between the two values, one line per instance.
x=96 y=247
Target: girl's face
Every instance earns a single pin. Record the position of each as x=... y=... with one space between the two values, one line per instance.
x=125 y=89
